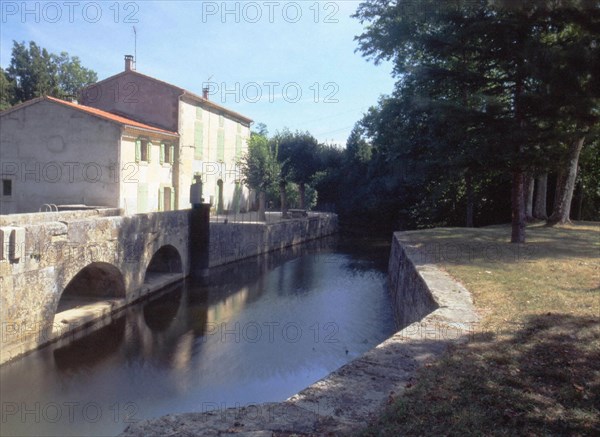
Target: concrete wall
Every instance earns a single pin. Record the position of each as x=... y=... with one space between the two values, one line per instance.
x=234 y=241
x=211 y=166
x=137 y=97
x=55 y=154
x=54 y=252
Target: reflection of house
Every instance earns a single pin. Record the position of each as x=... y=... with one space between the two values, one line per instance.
x=134 y=142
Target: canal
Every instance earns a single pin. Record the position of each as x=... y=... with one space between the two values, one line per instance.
x=255 y=331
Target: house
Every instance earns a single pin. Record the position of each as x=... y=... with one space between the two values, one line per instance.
x=58 y=152
x=134 y=142
x=212 y=138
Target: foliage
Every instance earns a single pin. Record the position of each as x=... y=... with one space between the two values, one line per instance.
x=259 y=166
x=486 y=91
x=34 y=72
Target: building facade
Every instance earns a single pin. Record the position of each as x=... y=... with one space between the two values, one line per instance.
x=134 y=142
x=54 y=152
x=212 y=137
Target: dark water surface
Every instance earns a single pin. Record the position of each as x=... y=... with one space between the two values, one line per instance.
x=257 y=331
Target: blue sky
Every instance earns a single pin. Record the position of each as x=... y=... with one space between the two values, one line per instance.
x=282 y=63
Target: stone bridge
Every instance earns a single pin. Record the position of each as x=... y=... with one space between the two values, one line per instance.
x=61 y=272
x=58 y=276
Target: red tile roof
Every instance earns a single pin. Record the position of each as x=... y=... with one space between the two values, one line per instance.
x=109 y=116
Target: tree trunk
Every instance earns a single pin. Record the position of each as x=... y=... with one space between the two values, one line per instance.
x=302 y=192
x=539 y=206
x=470 y=199
x=282 y=196
x=566 y=185
x=529 y=185
x=580 y=201
x=518 y=207
x=262 y=201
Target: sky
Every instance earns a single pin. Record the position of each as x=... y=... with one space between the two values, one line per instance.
x=282 y=63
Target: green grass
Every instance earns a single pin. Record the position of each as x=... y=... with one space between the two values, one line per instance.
x=533 y=366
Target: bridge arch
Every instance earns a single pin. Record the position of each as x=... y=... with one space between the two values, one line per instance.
x=167 y=259
x=95 y=282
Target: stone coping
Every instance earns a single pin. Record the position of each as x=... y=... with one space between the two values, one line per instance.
x=357 y=392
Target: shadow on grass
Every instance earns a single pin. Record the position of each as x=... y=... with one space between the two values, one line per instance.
x=541 y=379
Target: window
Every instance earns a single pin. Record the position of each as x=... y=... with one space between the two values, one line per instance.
x=166 y=198
x=167 y=153
x=142 y=150
x=6 y=187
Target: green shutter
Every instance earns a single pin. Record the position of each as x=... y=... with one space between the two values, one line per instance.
x=221 y=145
x=162 y=153
x=161 y=199
x=142 y=198
x=149 y=150
x=198 y=112
x=138 y=150
x=198 y=139
x=221 y=121
x=172 y=199
x=238 y=146
x=172 y=154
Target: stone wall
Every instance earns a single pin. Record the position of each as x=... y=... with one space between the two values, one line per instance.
x=231 y=242
x=411 y=297
x=53 y=253
x=61 y=216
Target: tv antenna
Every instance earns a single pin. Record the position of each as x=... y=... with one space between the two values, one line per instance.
x=134 y=45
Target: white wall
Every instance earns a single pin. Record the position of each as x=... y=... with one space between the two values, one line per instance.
x=55 y=154
x=210 y=166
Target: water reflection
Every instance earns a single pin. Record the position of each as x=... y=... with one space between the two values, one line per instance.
x=254 y=331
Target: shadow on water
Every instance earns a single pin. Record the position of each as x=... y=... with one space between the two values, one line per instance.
x=258 y=330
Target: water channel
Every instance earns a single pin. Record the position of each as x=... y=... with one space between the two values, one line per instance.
x=256 y=331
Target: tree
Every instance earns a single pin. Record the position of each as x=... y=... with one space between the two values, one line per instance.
x=299 y=159
x=35 y=72
x=482 y=83
x=7 y=91
x=260 y=169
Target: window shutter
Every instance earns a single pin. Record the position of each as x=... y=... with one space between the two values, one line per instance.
x=238 y=146
x=221 y=145
x=138 y=150
x=198 y=139
x=162 y=153
x=149 y=149
x=161 y=199
x=172 y=199
x=172 y=154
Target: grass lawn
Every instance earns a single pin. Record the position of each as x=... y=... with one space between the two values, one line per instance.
x=533 y=365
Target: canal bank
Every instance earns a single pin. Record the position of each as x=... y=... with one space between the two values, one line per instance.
x=434 y=310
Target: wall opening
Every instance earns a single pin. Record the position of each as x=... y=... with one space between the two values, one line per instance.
x=95 y=282
x=166 y=260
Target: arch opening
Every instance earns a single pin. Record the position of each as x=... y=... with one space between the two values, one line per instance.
x=94 y=283
x=165 y=262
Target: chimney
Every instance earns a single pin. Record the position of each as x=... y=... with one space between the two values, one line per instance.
x=129 y=63
x=205 y=92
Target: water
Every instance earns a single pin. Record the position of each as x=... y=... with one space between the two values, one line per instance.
x=256 y=331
